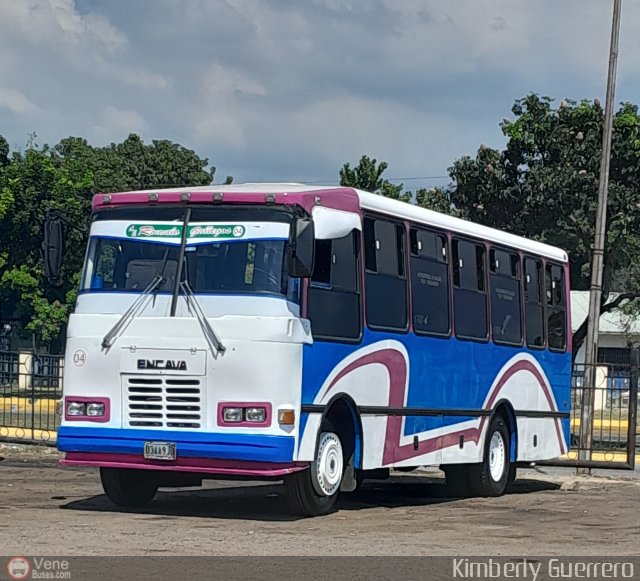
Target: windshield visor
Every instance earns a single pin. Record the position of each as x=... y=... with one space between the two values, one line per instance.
x=219 y=258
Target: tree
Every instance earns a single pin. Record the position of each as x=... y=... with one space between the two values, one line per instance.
x=367 y=176
x=543 y=185
x=437 y=199
x=65 y=177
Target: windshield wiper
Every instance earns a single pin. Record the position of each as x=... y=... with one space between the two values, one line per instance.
x=165 y=259
x=137 y=305
x=213 y=340
x=180 y=264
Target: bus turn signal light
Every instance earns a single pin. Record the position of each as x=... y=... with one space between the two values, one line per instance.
x=286 y=417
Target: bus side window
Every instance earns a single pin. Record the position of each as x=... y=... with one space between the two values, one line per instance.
x=506 y=319
x=470 y=294
x=385 y=278
x=534 y=302
x=333 y=300
x=429 y=283
x=556 y=308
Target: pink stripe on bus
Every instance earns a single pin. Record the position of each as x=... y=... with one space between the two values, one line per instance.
x=203 y=465
x=396 y=366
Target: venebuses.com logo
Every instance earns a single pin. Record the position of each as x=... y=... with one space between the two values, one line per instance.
x=18 y=568
x=38 y=568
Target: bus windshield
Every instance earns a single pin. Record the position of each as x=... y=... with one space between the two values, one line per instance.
x=230 y=266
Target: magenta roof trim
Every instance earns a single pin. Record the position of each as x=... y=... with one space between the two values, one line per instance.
x=338 y=198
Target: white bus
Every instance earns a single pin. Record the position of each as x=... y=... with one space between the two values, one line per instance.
x=318 y=335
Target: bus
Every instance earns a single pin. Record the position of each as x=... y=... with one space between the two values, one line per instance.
x=315 y=335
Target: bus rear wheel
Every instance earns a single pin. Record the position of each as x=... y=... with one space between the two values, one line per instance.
x=491 y=476
x=128 y=487
x=314 y=492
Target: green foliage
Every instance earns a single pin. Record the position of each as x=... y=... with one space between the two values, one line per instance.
x=435 y=199
x=544 y=184
x=367 y=176
x=65 y=177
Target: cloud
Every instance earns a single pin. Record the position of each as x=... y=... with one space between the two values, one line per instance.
x=16 y=102
x=219 y=112
x=288 y=89
x=58 y=25
x=116 y=124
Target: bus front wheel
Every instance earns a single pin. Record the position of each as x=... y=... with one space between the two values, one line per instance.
x=491 y=476
x=314 y=492
x=128 y=487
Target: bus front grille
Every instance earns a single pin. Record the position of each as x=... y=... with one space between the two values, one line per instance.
x=163 y=402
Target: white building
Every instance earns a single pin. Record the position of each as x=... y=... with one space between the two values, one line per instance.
x=617 y=330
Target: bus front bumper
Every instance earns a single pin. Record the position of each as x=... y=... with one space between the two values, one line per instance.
x=235 y=454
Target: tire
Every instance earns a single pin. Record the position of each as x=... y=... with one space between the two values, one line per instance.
x=314 y=492
x=513 y=474
x=457 y=476
x=127 y=487
x=490 y=477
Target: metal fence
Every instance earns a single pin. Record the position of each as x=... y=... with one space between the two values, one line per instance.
x=611 y=392
x=30 y=385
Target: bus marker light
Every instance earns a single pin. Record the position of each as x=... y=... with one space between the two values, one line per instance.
x=232 y=414
x=286 y=417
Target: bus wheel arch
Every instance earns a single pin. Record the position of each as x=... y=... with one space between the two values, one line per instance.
x=341 y=414
x=505 y=409
x=314 y=492
x=494 y=474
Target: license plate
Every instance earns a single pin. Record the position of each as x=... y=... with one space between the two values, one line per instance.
x=160 y=450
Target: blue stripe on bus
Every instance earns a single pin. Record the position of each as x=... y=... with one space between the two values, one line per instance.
x=248 y=447
x=443 y=373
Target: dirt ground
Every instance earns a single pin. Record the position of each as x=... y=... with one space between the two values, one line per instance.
x=47 y=509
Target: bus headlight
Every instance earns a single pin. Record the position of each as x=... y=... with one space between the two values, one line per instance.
x=232 y=415
x=87 y=409
x=258 y=415
x=95 y=409
x=76 y=408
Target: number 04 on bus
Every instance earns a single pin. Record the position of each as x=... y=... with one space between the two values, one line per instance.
x=315 y=335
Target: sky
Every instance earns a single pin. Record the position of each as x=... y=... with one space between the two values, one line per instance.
x=289 y=90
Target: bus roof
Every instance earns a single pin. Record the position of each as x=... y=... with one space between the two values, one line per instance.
x=376 y=203
x=367 y=201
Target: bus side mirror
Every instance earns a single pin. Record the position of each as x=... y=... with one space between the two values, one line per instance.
x=53 y=249
x=302 y=249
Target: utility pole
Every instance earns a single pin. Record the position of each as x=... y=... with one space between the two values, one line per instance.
x=597 y=262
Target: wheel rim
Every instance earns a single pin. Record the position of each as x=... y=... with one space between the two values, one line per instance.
x=328 y=465
x=497 y=456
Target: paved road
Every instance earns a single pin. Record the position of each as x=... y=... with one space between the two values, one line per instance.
x=45 y=509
